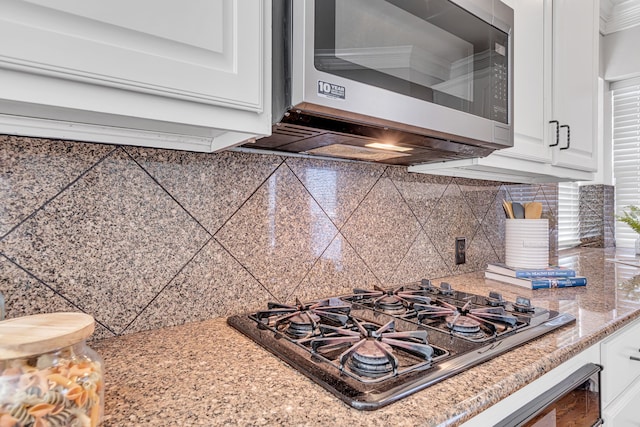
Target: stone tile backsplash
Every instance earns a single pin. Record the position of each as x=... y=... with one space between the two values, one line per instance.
x=146 y=238
x=597 y=216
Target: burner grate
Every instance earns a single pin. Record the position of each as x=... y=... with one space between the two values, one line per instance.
x=371 y=352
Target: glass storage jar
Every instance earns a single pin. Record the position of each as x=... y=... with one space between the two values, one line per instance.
x=48 y=374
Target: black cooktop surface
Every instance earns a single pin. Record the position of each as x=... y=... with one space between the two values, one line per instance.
x=375 y=346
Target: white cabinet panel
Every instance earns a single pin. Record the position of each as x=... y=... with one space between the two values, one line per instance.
x=168 y=20
x=531 y=46
x=194 y=76
x=624 y=412
x=147 y=51
x=620 y=370
x=575 y=82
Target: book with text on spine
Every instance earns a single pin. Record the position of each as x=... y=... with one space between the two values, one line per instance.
x=551 y=271
x=538 y=282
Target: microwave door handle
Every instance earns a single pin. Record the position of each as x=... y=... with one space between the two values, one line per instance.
x=532 y=408
x=557 y=123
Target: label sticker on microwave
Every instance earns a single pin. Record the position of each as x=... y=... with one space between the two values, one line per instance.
x=500 y=49
x=329 y=90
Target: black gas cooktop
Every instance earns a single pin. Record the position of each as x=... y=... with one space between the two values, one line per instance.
x=376 y=346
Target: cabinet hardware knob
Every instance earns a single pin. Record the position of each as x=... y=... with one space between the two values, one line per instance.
x=637 y=359
x=568 y=136
x=557 y=123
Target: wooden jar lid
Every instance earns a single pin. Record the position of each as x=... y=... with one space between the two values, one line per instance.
x=42 y=333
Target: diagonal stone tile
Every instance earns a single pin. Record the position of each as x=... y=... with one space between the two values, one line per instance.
x=34 y=170
x=337 y=272
x=109 y=242
x=522 y=193
x=338 y=187
x=210 y=186
x=420 y=191
x=421 y=262
x=25 y=296
x=451 y=217
x=591 y=199
x=382 y=229
x=548 y=196
x=493 y=223
x=213 y=284
x=278 y=233
x=480 y=195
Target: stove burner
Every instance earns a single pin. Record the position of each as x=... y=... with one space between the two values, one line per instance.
x=302 y=324
x=523 y=305
x=371 y=359
x=372 y=351
x=466 y=320
x=463 y=324
x=395 y=301
x=391 y=304
x=302 y=320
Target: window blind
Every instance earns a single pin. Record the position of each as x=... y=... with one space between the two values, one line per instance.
x=626 y=153
x=568 y=215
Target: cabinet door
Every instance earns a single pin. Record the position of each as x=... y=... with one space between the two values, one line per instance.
x=208 y=51
x=530 y=42
x=620 y=354
x=575 y=82
x=624 y=411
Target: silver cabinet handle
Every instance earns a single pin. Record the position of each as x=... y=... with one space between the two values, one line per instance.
x=634 y=358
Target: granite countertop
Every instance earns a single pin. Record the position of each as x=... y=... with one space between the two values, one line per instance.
x=209 y=374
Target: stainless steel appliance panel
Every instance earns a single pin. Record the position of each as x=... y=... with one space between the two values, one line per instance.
x=393 y=81
x=574 y=401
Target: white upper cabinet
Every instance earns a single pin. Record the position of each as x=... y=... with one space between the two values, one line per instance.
x=555 y=78
x=575 y=82
x=532 y=45
x=193 y=75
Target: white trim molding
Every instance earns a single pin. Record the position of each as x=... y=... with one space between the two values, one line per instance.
x=618 y=15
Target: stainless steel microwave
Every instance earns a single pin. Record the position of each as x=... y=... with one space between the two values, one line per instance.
x=396 y=81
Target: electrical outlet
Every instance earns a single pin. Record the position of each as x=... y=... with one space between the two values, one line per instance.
x=461 y=250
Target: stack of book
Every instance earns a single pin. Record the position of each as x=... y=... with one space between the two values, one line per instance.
x=539 y=278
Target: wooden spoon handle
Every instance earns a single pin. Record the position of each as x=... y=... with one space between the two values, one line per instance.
x=533 y=210
x=508 y=209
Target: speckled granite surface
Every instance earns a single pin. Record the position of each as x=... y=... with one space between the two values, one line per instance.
x=208 y=374
x=145 y=238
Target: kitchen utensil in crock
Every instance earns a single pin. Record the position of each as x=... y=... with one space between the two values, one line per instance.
x=533 y=210
x=518 y=210
x=507 y=209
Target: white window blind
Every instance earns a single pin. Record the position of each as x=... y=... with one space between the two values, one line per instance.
x=568 y=215
x=626 y=153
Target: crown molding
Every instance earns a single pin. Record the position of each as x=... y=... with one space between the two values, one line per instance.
x=618 y=15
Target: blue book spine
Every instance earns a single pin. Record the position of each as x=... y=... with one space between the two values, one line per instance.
x=527 y=274
x=564 y=282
